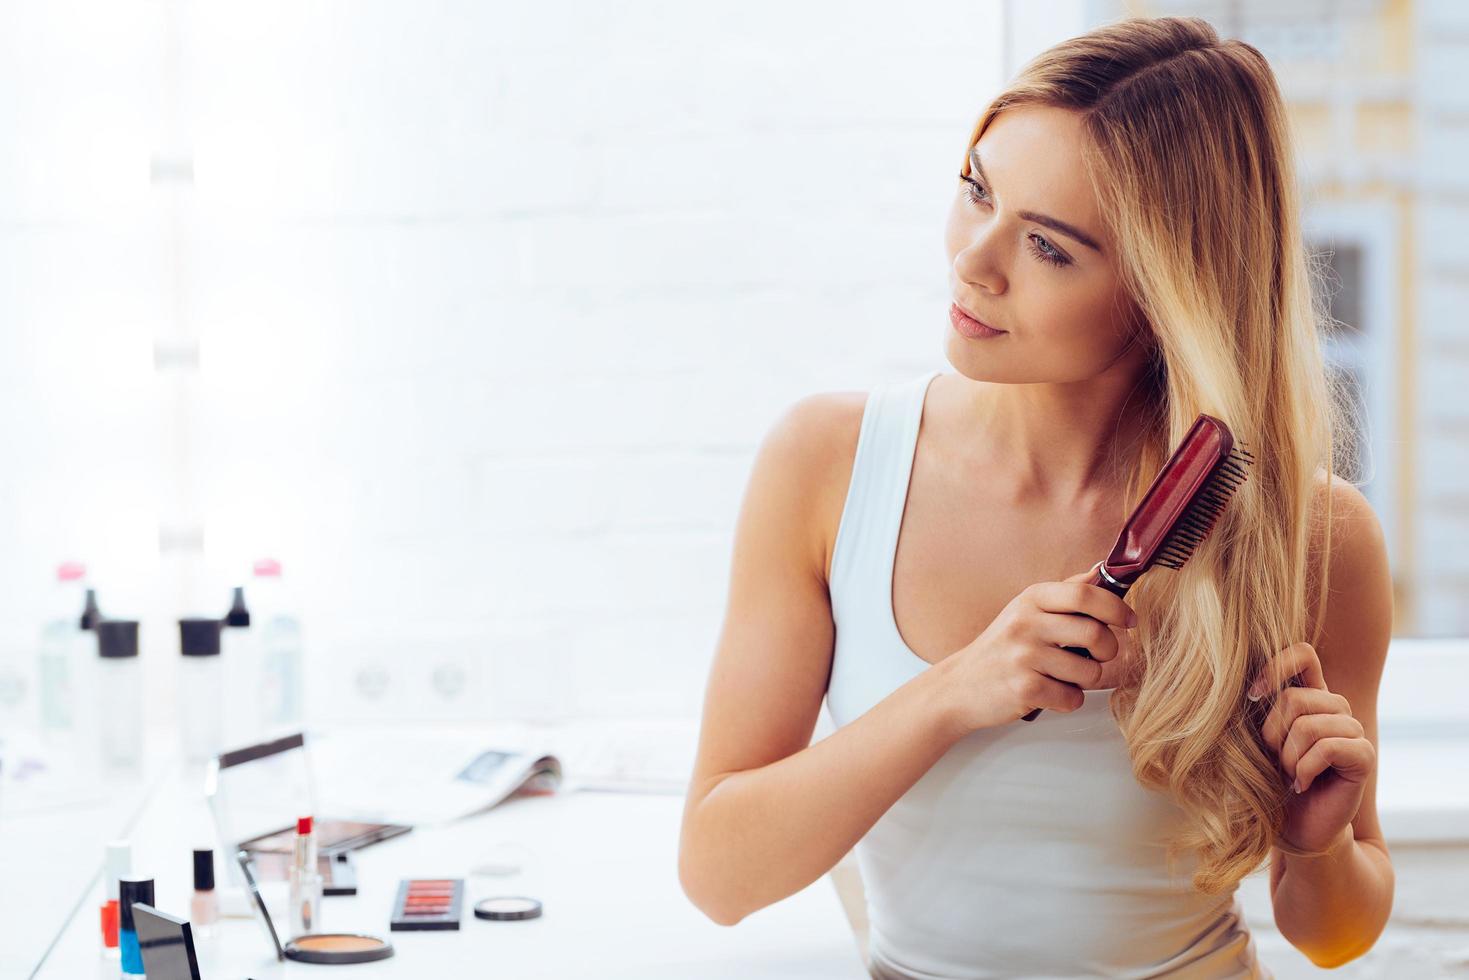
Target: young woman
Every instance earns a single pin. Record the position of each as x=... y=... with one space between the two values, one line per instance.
x=1125 y=253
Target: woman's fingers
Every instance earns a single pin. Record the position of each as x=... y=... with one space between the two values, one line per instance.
x=1073 y=630
x=1079 y=597
x=1044 y=689
x=1068 y=667
x=1293 y=703
x=1296 y=660
x=1351 y=758
x=1308 y=731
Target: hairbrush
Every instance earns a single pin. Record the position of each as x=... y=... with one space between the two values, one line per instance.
x=1177 y=512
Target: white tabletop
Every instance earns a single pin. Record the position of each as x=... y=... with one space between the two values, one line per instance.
x=604 y=865
x=55 y=819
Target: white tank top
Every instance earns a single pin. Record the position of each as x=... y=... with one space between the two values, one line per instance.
x=1027 y=850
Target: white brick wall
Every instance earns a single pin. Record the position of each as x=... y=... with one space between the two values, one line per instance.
x=492 y=305
x=83 y=289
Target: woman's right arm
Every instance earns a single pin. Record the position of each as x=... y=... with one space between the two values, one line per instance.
x=767 y=813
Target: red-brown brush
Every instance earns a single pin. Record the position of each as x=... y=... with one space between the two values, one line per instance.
x=1178 y=511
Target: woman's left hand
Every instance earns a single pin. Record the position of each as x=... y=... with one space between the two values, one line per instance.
x=1320 y=747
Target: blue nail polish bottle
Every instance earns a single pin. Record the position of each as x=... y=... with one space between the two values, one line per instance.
x=128 y=892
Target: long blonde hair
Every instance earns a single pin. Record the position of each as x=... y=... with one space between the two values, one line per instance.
x=1189 y=152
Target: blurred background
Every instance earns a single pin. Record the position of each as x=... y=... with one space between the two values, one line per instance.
x=471 y=315
x=449 y=330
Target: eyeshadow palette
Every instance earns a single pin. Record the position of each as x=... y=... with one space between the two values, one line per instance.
x=428 y=903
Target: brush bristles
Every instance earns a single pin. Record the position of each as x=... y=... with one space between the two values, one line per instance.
x=1195 y=523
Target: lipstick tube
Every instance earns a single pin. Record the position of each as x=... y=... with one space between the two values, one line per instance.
x=306 y=883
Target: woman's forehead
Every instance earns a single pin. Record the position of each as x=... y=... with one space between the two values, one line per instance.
x=1033 y=157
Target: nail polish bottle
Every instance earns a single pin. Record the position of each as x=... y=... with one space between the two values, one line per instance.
x=117 y=865
x=131 y=890
x=204 y=908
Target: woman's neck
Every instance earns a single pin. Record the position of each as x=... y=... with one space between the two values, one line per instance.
x=1062 y=445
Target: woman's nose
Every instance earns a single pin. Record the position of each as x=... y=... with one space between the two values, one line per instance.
x=980 y=262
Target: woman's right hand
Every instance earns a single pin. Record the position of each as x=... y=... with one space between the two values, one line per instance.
x=1017 y=664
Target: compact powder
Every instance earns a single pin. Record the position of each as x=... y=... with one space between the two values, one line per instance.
x=340 y=944
x=507 y=907
x=337 y=947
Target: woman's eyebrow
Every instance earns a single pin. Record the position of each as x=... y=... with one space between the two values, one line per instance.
x=1042 y=219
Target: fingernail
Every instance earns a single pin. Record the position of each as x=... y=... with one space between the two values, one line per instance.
x=1131 y=620
x=1298 y=785
x=1253 y=696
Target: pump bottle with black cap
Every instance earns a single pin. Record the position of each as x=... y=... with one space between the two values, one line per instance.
x=120 y=692
x=201 y=689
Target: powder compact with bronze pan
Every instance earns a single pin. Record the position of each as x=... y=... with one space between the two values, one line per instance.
x=325 y=947
x=337 y=947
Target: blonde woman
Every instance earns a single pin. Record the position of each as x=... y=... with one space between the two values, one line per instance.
x=1125 y=252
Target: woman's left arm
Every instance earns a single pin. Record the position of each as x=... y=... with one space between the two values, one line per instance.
x=1324 y=735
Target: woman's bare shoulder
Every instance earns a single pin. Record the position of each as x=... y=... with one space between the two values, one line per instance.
x=819 y=433
x=1358 y=546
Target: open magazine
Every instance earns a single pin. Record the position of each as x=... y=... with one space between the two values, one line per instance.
x=425 y=778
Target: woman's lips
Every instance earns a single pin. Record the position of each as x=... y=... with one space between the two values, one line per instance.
x=968 y=326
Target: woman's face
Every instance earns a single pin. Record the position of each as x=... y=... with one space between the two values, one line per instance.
x=1056 y=293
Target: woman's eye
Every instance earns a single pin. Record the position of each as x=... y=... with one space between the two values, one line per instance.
x=1039 y=247
x=1043 y=250
x=971 y=190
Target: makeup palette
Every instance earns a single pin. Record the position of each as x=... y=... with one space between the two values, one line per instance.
x=428 y=903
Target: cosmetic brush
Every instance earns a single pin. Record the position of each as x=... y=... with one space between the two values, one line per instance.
x=1178 y=511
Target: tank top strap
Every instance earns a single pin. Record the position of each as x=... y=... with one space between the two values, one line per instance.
x=878 y=489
